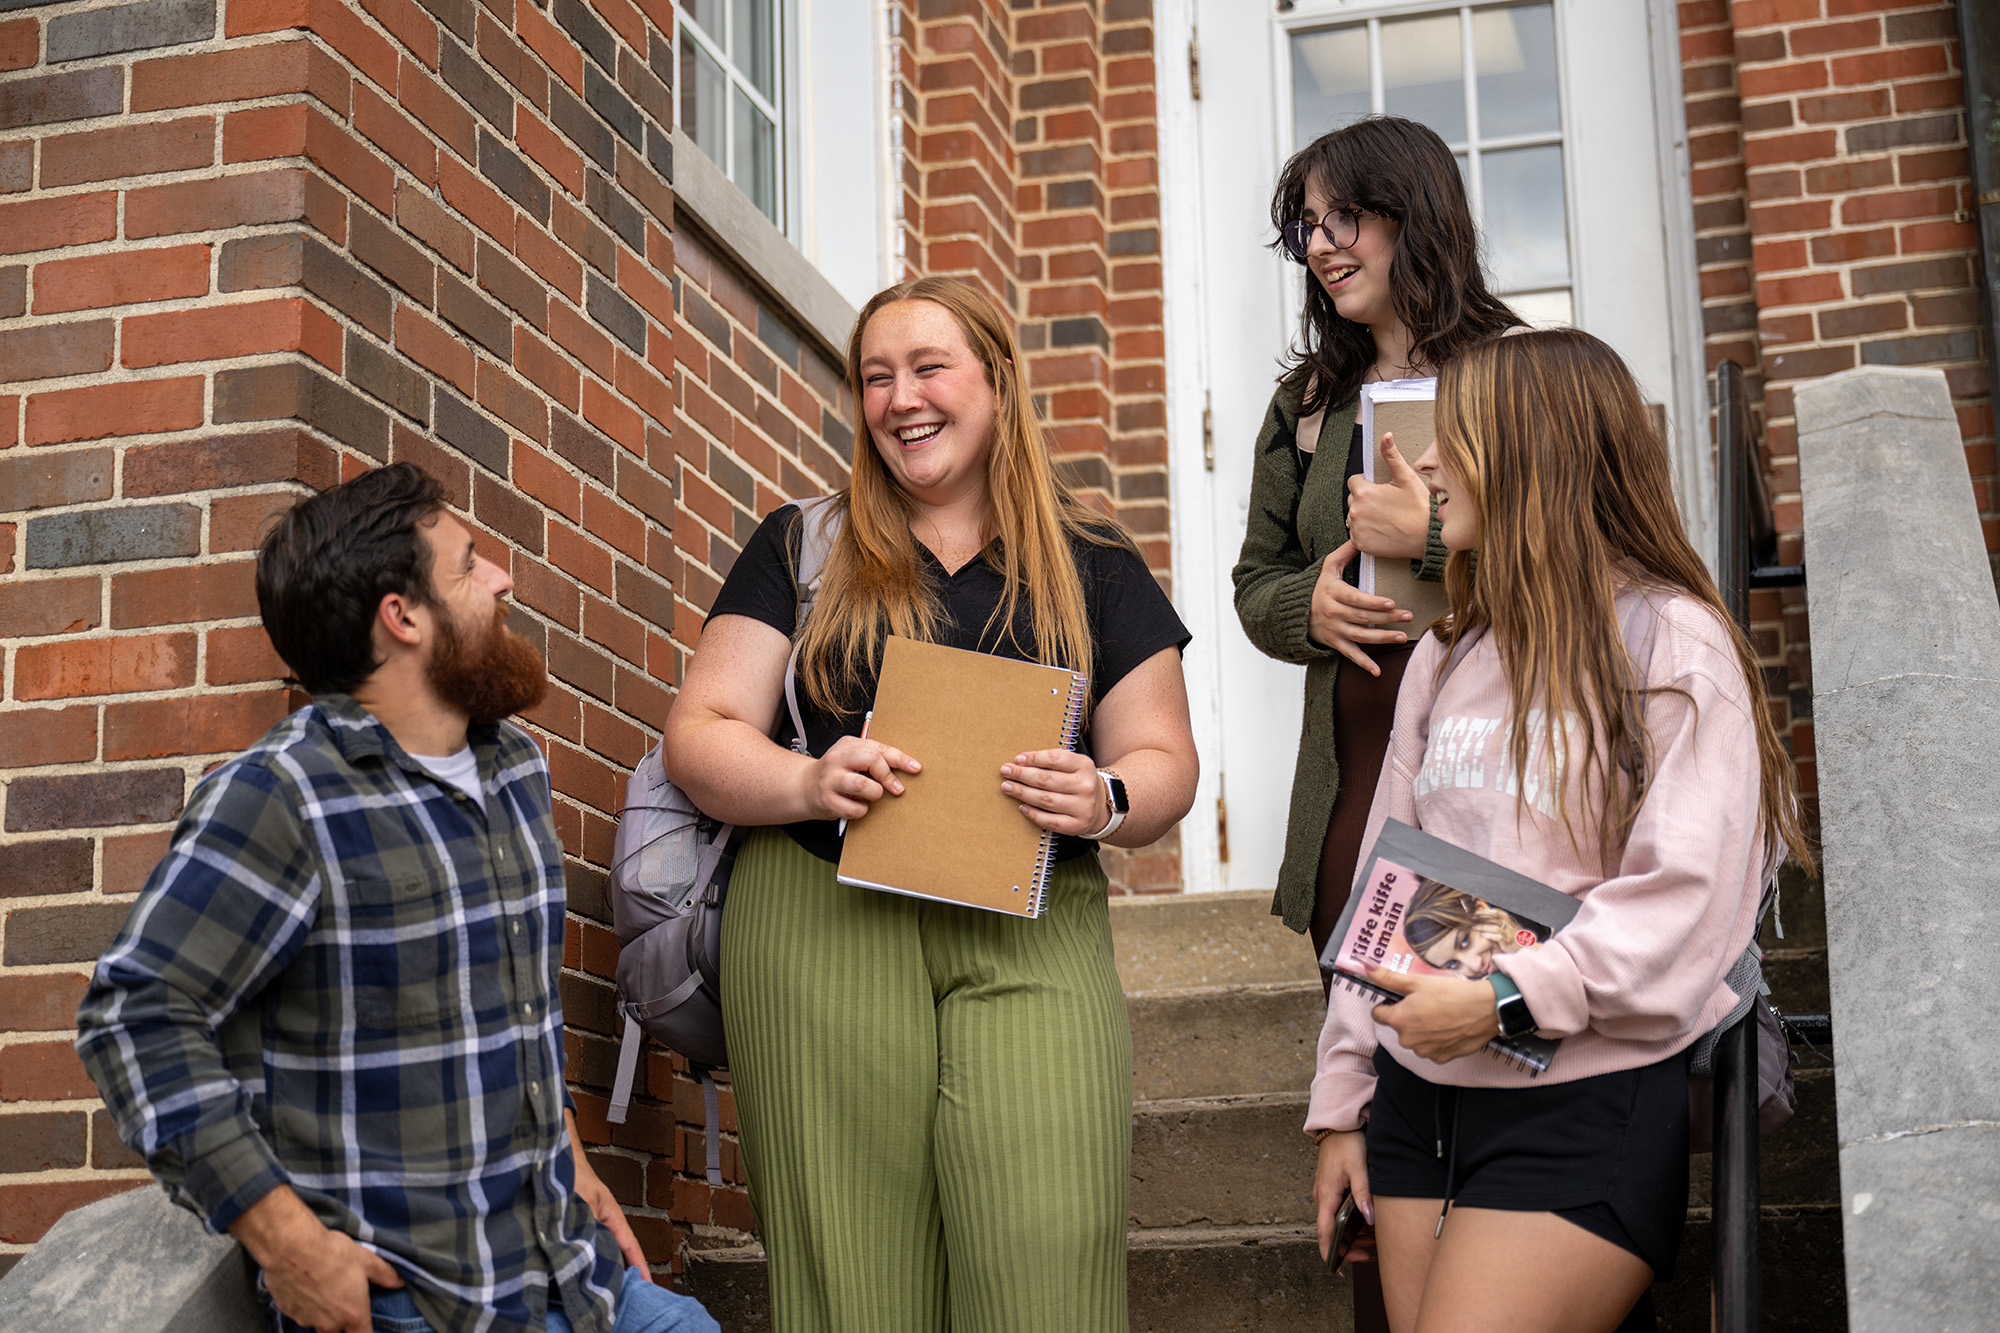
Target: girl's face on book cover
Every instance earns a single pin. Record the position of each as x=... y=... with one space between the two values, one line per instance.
x=927 y=401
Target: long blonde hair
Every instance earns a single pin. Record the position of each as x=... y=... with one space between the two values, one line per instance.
x=874 y=584
x=1551 y=441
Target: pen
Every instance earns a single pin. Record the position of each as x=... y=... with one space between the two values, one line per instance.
x=866 y=718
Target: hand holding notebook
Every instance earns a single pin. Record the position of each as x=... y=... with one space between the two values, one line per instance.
x=954 y=835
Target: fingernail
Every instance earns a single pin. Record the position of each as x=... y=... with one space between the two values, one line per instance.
x=1368 y=1211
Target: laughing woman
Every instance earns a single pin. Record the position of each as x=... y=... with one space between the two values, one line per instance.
x=935 y=1101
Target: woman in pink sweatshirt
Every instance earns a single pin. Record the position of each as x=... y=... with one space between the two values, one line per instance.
x=1599 y=732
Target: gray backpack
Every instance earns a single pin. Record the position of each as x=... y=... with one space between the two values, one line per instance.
x=670 y=868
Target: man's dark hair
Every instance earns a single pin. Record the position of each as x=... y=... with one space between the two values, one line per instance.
x=324 y=569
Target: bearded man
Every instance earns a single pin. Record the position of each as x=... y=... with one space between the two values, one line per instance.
x=331 y=1023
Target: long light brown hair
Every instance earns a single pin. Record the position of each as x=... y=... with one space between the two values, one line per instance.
x=874 y=583
x=1548 y=436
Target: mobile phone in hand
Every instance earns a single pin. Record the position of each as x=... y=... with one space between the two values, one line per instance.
x=1347 y=1225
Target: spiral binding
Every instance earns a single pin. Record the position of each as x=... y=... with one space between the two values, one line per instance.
x=1045 y=856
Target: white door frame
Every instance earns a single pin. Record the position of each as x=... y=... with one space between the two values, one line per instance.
x=1202 y=588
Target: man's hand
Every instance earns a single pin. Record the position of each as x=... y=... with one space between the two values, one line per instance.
x=1439 y=1018
x=317 y=1277
x=1392 y=518
x=602 y=1204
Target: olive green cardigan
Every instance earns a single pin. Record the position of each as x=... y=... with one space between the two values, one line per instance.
x=1295 y=522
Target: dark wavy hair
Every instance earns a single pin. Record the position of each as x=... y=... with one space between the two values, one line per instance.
x=1401 y=170
x=325 y=567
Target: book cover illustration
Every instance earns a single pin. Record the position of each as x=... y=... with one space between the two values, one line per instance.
x=1426 y=908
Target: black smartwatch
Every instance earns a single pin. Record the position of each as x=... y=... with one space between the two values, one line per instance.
x=1510 y=1006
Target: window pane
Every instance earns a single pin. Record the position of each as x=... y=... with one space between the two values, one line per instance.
x=1423 y=73
x=703 y=88
x=1544 y=310
x=1329 y=81
x=756 y=168
x=708 y=13
x=1527 y=231
x=1514 y=56
x=754 y=46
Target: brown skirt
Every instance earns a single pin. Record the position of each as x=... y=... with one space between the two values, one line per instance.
x=1364 y=708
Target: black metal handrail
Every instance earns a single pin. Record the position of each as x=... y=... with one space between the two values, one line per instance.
x=1747 y=559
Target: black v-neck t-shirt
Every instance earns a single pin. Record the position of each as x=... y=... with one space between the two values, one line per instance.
x=1130 y=620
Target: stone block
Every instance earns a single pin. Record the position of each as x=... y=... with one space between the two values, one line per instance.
x=107 y=536
x=1942 y=1185
x=1912 y=885
x=1905 y=641
x=134 y=1263
x=1886 y=599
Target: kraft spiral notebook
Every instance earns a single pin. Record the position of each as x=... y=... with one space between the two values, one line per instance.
x=1427 y=908
x=1403 y=408
x=953 y=835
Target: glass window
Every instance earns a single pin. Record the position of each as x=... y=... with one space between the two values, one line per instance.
x=1484 y=77
x=731 y=96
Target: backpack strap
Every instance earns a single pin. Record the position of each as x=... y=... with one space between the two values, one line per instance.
x=819 y=529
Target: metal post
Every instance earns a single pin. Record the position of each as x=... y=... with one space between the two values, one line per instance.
x=1733 y=1164
x=1734 y=1180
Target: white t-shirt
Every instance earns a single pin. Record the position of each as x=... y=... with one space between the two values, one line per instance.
x=461 y=770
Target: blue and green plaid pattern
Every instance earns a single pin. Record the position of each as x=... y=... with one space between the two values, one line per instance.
x=344 y=976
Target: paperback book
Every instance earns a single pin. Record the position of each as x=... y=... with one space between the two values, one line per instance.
x=1423 y=907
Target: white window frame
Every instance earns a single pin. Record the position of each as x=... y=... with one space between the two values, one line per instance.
x=785 y=78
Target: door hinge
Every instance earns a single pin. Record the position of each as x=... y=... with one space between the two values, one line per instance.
x=1208 y=430
x=1222 y=829
x=1194 y=67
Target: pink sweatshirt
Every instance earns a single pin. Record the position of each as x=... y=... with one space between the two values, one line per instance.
x=1638 y=974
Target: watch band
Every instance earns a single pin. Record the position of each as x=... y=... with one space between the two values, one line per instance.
x=1510 y=1007
x=1115 y=800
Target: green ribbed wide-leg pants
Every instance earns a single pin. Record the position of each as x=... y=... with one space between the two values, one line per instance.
x=935 y=1102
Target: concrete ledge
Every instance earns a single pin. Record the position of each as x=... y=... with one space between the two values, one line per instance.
x=724 y=215
x=1206 y=939
x=1906 y=692
x=133 y=1263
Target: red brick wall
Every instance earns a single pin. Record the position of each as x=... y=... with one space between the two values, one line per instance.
x=1832 y=189
x=247 y=254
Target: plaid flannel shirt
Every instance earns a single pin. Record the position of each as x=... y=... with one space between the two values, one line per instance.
x=343 y=977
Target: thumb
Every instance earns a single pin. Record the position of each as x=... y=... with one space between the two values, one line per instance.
x=1343 y=556
x=1399 y=983
x=379 y=1271
x=1401 y=474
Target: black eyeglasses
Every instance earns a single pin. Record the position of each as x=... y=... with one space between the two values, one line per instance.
x=1341 y=225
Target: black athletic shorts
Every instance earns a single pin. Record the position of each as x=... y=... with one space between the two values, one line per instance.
x=1609 y=1153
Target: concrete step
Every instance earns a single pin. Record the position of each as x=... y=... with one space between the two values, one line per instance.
x=1222 y=1161
x=1206 y=939
x=1216 y=1041
x=1212 y=1280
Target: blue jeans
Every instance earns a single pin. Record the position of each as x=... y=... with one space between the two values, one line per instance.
x=643 y=1307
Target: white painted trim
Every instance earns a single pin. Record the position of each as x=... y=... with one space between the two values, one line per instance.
x=724 y=215
x=1197 y=565
x=1692 y=451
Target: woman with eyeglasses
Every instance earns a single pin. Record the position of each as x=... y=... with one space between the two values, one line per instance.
x=1376 y=213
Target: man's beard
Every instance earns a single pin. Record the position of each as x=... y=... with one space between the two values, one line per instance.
x=496 y=676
